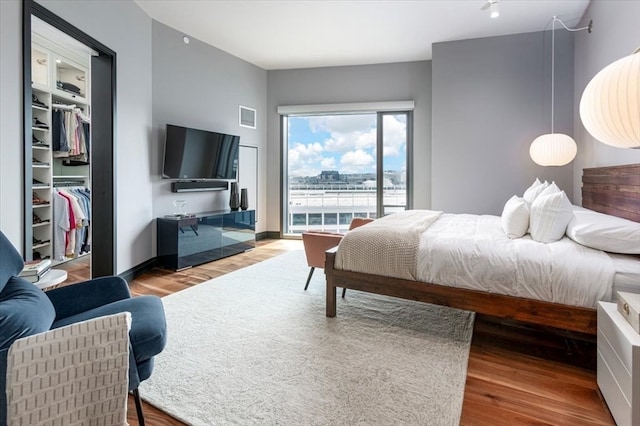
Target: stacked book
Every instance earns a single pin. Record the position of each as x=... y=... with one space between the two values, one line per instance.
x=35 y=270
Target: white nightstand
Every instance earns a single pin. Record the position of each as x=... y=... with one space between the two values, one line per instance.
x=619 y=365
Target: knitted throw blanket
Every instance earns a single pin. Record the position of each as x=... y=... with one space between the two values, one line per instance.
x=387 y=246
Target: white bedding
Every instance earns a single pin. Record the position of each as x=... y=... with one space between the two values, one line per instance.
x=627 y=277
x=473 y=252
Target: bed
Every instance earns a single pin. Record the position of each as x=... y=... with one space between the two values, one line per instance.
x=613 y=190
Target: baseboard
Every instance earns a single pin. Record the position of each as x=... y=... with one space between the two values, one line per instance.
x=267 y=235
x=140 y=269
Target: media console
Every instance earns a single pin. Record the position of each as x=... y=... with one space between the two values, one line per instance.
x=183 y=242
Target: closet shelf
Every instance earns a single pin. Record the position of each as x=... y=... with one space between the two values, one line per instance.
x=40 y=129
x=38 y=225
x=41 y=148
x=58 y=94
x=71 y=177
x=39 y=108
x=40 y=166
x=39 y=206
x=37 y=246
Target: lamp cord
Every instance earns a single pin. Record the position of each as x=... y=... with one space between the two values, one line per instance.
x=553 y=67
x=553 y=56
x=588 y=27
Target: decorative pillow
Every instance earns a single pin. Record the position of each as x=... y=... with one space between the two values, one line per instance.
x=549 y=217
x=551 y=188
x=515 y=217
x=534 y=191
x=604 y=232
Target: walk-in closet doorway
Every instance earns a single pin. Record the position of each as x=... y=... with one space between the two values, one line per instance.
x=101 y=156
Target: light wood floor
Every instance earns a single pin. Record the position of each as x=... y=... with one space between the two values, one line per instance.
x=516 y=375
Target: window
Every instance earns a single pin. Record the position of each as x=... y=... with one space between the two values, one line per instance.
x=333 y=170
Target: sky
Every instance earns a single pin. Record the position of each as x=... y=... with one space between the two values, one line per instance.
x=345 y=143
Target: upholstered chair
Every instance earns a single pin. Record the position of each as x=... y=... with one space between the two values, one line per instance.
x=91 y=355
x=26 y=310
x=316 y=243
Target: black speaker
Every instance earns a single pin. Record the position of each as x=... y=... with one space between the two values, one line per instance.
x=198 y=185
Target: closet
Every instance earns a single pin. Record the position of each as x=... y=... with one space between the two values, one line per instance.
x=60 y=146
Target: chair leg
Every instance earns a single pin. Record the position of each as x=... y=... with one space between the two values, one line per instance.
x=309 y=277
x=344 y=291
x=136 y=397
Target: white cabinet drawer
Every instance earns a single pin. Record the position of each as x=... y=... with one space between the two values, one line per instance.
x=618 y=365
x=620 y=373
x=618 y=333
x=620 y=408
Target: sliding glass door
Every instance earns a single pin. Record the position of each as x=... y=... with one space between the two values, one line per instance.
x=393 y=136
x=333 y=170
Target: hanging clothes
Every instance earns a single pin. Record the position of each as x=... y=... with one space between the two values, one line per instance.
x=61 y=225
x=72 y=210
x=71 y=134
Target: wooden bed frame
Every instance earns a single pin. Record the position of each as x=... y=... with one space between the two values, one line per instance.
x=613 y=190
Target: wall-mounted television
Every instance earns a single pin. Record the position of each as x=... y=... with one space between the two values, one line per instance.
x=193 y=154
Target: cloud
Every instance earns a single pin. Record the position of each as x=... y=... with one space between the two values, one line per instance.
x=346 y=132
x=328 y=163
x=357 y=162
x=394 y=135
x=348 y=143
x=302 y=158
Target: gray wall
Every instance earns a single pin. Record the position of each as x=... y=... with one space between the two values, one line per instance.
x=491 y=99
x=11 y=207
x=126 y=29
x=616 y=34
x=367 y=83
x=197 y=85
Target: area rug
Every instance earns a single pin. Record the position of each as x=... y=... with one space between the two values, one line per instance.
x=253 y=348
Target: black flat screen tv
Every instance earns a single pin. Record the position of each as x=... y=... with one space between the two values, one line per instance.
x=193 y=154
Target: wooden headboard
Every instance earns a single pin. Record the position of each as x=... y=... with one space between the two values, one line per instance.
x=613 y=190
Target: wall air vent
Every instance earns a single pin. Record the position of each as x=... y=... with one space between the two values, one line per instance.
x=247 y=117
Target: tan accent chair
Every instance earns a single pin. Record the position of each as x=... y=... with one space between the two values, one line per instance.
x=316 y=243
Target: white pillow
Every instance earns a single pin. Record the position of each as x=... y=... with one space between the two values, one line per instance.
x=551 y=188
x=549 y=217
x=533 y=191
x=604 y=232
x=515 y=217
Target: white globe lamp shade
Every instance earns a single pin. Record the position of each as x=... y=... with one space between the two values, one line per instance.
x=610 y=104
x=553 y=149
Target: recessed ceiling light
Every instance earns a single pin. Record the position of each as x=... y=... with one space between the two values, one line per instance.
x=185 y=39
x=495 y=10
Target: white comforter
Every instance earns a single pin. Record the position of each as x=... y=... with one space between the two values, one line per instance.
x=473 y=252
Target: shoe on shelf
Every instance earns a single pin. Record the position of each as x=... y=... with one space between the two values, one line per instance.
x=35 y=200
x=39 y=124
x=36 y=219
x=36 y=182
x=37 y=241
x=38 y=142
x=37 y=102
x=37 y=162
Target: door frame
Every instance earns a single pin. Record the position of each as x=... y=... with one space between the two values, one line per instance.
x=103 y=131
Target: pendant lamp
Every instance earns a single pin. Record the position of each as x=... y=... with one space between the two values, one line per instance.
x=610 y=104
x=553 y=149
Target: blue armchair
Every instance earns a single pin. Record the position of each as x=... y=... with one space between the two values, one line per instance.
x=26 y=310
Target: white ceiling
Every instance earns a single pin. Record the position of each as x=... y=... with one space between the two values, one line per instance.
x=318 y=33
